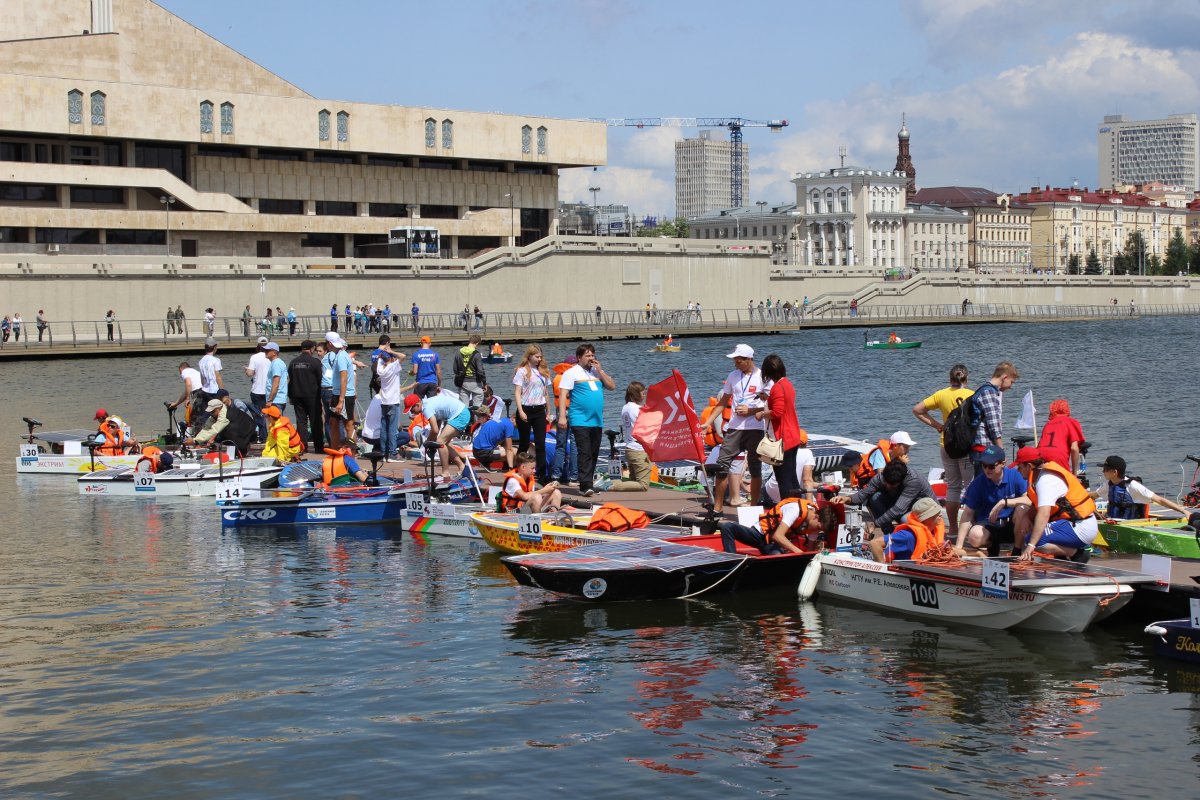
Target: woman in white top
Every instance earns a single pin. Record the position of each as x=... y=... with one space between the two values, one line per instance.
x=531 y=382
x=635 y=455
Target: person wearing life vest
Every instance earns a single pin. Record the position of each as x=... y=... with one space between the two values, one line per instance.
x=497 y=350
x=154 y=460
x=520 y=493
x=112 y=439
x=896 y=446
x=340 y=469
x=922 y=530
x=1063 y=512
x=1128 y=498
x=893 y=338
x=713 y=436
x=283 y=440
x=779 y=528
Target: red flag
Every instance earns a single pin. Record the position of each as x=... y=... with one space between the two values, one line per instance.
x=668 y=427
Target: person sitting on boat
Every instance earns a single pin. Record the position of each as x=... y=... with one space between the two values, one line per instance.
x=497 y=350
x=893 y=338
x=226 y=423
x=922 y=530
x=667 y=342
x=782 y=528
x=492 y=434
x=283 y=440
x=1064 y=514
x=520 y=493
x=112 y=439
x=341 y=469
x=890 y=495
x=1128 y=498
x=154 y=460
x=1062 y=436
x=986 y=520
x=895 y=446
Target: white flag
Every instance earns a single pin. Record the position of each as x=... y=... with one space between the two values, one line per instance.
x=1028 y=414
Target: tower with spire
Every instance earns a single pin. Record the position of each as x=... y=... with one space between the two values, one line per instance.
x=904 y=160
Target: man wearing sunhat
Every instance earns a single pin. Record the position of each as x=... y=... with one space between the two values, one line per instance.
x=745 y=393
x=226 y=423
x=923 y=529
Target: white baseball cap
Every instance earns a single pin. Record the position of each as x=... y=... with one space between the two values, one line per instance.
x=902 y=437
x=742 y=351
x=334 y=339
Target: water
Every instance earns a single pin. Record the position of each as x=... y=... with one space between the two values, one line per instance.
x=144 y=653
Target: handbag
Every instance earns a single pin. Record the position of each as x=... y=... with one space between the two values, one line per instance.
x=770 y=449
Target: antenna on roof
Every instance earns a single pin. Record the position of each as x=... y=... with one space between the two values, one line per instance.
x=842 y=153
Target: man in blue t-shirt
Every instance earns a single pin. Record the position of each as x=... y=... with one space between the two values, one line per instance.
x=337 y=393
x=986 y=520
x=490 y=434
x=585 y=383
x=427 y=367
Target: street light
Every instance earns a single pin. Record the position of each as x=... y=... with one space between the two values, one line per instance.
x=512 y=222
x=168 y=200
x=595 y=190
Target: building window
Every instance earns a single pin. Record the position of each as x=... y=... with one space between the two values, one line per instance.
x=75 y=107
x=336 y=208
x=526 y=139
x=343 y=126
x=227 y=119
x=323 y=125
x=276 y=206
x=447 y=134
x=541 y=140
x=431 y=132
x=206 y=116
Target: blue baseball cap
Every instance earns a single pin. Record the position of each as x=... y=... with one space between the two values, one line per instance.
x=991 y=455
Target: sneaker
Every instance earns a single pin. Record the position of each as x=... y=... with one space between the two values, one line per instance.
x=588 y=492
x=603 y=485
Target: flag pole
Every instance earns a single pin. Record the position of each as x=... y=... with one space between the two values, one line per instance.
x=697 y=441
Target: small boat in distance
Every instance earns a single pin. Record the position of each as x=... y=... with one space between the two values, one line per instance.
x=498 y=355
x=893 y=342
x=667 y=345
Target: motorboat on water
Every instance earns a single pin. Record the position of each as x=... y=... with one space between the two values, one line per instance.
x=516 y=534
x=498 y=358
x=886 y=345
x=1176 y=638
x=1048 y=595
x=191 y=481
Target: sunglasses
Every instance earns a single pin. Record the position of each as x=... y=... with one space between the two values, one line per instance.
x=993 y=466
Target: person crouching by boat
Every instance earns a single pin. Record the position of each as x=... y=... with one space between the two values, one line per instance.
x=283 y=440
x=520 y=492
x=922 y=530
x=987 y=519
x=154 y=460
x=1064 y=514
x=491 y=434
x=341 y=469
x=891 y=494
x=1128 y=498
x=783 y=528
x=447 y=417
x=226 y=424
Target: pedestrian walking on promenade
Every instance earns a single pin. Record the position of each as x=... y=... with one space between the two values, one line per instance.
x=41 y=323
x=110 y=319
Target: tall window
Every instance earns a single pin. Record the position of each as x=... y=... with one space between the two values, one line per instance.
x=343 y=126
x=206 y=116
x=75 y=107
x=447 y=134
x=323 y=125
x=541 y=140
x=97 y=108
x=431 y=132
x=227 y=119
x=526 y=139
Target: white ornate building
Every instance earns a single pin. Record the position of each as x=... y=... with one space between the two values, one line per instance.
x=851 y=216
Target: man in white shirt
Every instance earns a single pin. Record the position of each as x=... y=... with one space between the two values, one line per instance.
x=191 y=393
x=257 y=371
x=211 y=381
x=388 y=370
x=745 y=392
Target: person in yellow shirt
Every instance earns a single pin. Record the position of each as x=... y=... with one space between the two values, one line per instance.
x=283 y=440
x=958 y=471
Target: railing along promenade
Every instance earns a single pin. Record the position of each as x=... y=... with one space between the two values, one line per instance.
x=77 y=337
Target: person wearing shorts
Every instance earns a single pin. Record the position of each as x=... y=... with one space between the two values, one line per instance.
x=1063 y=530
x=448 y=417
x=988 y=516
x=745 y=393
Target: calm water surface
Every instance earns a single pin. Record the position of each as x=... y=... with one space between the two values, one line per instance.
x=144 y=653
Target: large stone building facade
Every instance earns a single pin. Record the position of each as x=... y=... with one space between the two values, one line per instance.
x=1142 y=151
x=851 y=216
x=703 y=170
x=999 y=232
x=108 y=146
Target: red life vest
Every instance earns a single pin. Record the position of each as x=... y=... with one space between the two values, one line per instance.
x=864 y=471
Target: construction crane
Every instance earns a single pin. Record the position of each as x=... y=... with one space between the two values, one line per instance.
x=734 y=124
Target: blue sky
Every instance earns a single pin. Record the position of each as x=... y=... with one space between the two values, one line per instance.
x=998 y=93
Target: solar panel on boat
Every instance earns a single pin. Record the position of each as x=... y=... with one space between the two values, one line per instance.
x=58 y=437
x=1046 y=572
x=641 y=554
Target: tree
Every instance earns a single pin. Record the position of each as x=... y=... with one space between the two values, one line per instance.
x=1194 y=258
x=1155 y=266
x=1177 y=254
x=1073 y=264
x=1093 y=263
x=1132 y=258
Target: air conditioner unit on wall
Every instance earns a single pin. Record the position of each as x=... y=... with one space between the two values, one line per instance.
x=52 y=248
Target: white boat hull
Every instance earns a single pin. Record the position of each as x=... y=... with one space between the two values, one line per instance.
x=198 y=482
x=444 y=519
x=58 y=464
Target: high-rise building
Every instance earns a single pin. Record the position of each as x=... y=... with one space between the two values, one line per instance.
x=1141 y=151
x=702 y=174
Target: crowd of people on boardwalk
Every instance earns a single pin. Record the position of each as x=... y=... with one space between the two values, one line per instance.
x=778 y=310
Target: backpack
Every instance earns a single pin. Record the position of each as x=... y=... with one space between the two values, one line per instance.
x=958 y=432
x=460 y=370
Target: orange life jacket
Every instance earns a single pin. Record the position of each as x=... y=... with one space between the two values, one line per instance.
x=150 y=455
x=558 y=371
x=497 y=350
x=510 y=502
x=925 y=536
x=418 y=421
x=114 y=444
x=294 y=439
x=334 y=466
x=613 y=517
x=713 y=436
x=1076 y=505
x=864 y=471
x=769 y=520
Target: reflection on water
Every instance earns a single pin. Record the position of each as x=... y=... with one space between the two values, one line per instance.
x=144 y=652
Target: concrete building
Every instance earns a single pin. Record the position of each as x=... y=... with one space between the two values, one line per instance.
x=999 y=230
x=851 y=216
x=703 y=174
x=1141 y=151
x=936 y=237
x=763 y=221
x=130 y=131
x=1073 y=222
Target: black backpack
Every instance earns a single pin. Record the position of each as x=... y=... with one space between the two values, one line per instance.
x=958 y=432
x=460 y=370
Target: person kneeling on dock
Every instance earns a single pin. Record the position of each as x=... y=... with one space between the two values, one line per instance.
x=780 y=528
x=1064 y=514
x=226 y=424
x=988 y=517
x=519 y=492
x=922 y=530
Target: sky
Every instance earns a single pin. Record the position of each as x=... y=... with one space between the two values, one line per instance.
x=1004 y=94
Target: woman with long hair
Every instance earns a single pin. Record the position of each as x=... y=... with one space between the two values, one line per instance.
x=635 y=455
x=532 y=388
x=785 y=426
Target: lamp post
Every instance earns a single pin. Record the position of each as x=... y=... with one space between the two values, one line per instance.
x=168 y=200
x=512 y=232
x=595 y=190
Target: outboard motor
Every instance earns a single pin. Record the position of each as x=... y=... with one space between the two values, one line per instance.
x=1083 y=451
x=32 y=423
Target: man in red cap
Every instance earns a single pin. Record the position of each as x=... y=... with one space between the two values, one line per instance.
x=1064 y=513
